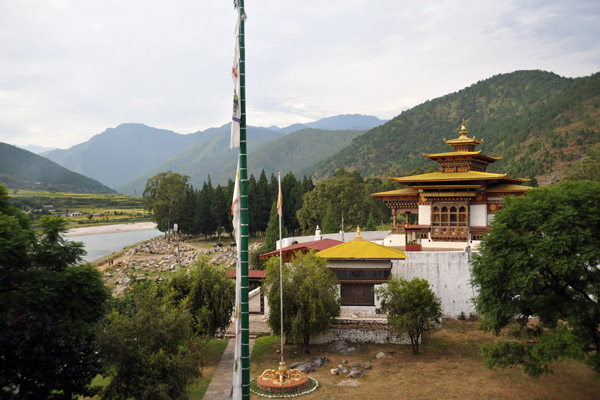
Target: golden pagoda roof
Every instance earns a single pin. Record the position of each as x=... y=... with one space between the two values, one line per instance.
x=399 y=192
x=463 y=138
x=360 y=249
x=462 y=153
x=456 y=176
x=507 y=188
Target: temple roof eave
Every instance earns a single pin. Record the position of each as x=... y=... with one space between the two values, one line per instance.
x=457 y=177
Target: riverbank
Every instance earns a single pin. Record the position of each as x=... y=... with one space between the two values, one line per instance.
x=103 y=229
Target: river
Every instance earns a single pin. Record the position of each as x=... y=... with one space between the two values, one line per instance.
x=101 y=245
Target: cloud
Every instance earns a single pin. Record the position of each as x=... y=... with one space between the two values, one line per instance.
x=70 y=69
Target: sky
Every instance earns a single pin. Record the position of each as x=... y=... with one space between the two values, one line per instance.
x=69 y=69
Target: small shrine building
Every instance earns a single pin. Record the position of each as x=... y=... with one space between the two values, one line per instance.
x=455 y=205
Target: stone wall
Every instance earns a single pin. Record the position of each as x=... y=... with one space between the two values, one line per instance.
x=449 y=275
x=360 y=331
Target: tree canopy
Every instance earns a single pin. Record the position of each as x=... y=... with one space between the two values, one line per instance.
x=541 y=260
x=310 y=296
x=149 y=347
x=50 y=305
x=411 y=306
x=164 y=195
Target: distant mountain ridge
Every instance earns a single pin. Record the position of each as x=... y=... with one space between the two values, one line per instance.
x=117 y=154
x=124 y=157
x=21 y=169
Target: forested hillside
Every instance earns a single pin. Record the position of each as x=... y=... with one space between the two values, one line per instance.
x=538 y=122
x=21 y=169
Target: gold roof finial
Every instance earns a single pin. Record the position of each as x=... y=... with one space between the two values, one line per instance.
x=358 y=237
x=463 y=128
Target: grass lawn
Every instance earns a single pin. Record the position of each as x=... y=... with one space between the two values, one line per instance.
x=449 y=367
x=216 y=347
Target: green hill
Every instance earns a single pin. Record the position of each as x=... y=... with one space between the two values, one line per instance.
x=298 y=151
x=538 y=122
x=21 y=169
x=209 y=156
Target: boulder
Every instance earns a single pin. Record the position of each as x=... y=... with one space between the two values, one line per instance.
x=337 y=346
x=380 y=355
x=356 y=373
x=348 y=351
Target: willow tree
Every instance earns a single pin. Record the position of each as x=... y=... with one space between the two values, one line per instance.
x=310 y=297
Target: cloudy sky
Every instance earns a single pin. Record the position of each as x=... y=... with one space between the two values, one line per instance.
x=69 y=69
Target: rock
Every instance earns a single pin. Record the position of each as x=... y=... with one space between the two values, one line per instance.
x=356 y=373
x=303 y=367
x=348 y=351
x=349 y=382
x=337 y=346
x=334 y=371
x=342 y=370
x=318 y=361
x=362 y=366
x=380 y=355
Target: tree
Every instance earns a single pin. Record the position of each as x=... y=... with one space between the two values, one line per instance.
x=330 y=222
x=150 y=349
x=50 y=306
x=209 y=294
x=310 y=296
x=412 y=308
x=541 y=260
x=219 y=210
x=272 y=233
x=371 y=225
x=164 y=196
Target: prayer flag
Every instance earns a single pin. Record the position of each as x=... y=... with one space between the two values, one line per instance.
x=279 y=199
x=236 y=118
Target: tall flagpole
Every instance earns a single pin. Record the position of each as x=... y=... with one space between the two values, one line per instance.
x=280 y=211
x=244 y=211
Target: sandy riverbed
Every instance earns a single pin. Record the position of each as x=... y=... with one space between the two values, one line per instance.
x=98 y=230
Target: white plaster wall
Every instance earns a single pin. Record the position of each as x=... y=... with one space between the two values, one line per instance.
x=395 y=240
x=449 y=276
x=478 y=215
x=424 y=215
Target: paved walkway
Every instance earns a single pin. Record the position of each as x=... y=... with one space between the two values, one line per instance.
x=220 y=384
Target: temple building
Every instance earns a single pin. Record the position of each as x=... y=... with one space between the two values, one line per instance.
x=454 y=206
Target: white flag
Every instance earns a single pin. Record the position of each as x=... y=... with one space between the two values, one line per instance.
x=236 y=390
x=236 y=117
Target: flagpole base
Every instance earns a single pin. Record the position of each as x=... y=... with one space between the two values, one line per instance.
x=282 y=380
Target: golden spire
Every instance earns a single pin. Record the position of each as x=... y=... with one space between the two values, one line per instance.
x=463 y=128
x=358 y=237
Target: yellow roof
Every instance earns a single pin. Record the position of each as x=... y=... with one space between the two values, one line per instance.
x=360 y=249
x=398 y=192
x=507 y=187
x=455 y=176
x=461 y=153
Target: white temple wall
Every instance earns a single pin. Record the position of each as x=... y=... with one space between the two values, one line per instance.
x=448 y=274
x=424 y=215
x=478 y=215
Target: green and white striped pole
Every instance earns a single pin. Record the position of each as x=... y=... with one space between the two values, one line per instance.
x=244 y=212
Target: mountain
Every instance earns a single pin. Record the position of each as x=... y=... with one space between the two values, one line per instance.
x=538 y=122
x=21 y=169
x=339 y=122
x=298 y=151
x=36 y=149
x=211 y=155
x=119 y=154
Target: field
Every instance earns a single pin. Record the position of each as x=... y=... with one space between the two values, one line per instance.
x=97 y=209
x=448 y=368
